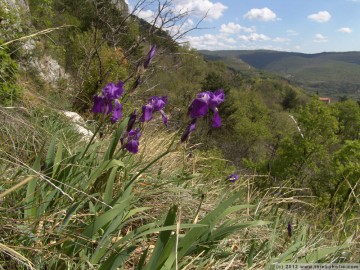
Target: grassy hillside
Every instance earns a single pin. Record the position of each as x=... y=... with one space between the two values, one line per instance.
x=190 y=166
x=329 y=74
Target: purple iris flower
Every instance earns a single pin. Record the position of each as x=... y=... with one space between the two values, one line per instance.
x=99 y=105
x=150 y=56
x=233 y=177
x=113 y=91
x=190 y=128
x=289 y=229
x=117 y=112
x=107 y=102
x=154 y=104
x=205 y=101
x=131 y=122
x=132 y=144
x=216 y=120
x=137 y=82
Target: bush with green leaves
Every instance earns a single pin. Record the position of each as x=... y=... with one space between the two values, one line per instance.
x=10 y=91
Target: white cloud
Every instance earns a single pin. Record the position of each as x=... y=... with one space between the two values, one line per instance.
x=177 y=30
x=211 y=42
x=280 y=39
x=233 y=28
x=201 y=8
x=292 y=33
x=319 y=38
x=264 y=14
x=345 y=30
x=254 y=37
x=320 y=17
x=147 y=15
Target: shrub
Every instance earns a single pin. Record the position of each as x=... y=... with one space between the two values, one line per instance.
x=9 y=89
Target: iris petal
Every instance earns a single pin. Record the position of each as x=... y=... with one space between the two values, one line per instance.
x=233 y=177
x=198 y=108
x=216 y=120
x=117 y=112
x=146 y=113
x=164 y=118
x=190 y=128
x=150 y=56
x=99 y=104
x=132 y=146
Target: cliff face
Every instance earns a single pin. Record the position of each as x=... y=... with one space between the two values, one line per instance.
x=28 y=51
x=121 y=5
x=18 y=3
x=12 y=18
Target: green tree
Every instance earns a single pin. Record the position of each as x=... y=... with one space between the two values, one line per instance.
x=304 y=154
x=349 y=119
x=343 y=185
x=290 y=100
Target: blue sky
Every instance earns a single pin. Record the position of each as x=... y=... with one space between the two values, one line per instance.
x=287 y=25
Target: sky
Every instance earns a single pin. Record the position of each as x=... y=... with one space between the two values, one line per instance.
x=307 y=26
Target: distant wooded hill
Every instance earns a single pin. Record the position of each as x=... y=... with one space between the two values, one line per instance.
x=334 y=74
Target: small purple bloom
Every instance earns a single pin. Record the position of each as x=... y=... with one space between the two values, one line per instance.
x=113 y=91
x=107 y=102
x=205 y=101
x=99 y=103
x=154 y=104
x=233 y=177
x=217 y=98
x=131 y=122
x=117 y=112
x=132 y=144
x=289 y=229
x=190 y=128
x=198 y=108
x=164 y=118
x=158 y=103
x=216 y=120
x=147 y=111
x=102 y=105
x=150 y=56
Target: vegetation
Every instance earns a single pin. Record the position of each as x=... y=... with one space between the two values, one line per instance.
x=277 y=182
x=332 y=74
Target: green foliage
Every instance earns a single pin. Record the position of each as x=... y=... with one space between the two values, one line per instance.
x=343 y=185
x=98 y=186
x=212 y=165
x=250 y=125
x=302 y=155
x=10 y=91
x=13 y=21
x=300 y=251
x=42 y=13
x=349 y=119
x=95 y=63
x=95 y=205
x=290 y=100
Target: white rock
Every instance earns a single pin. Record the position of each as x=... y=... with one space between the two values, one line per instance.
x=79 y=123
x=74 y=117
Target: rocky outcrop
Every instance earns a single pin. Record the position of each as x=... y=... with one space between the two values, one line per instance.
x=79 y=125
x=17 y=4
x=50 y=70
x=12 y=19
